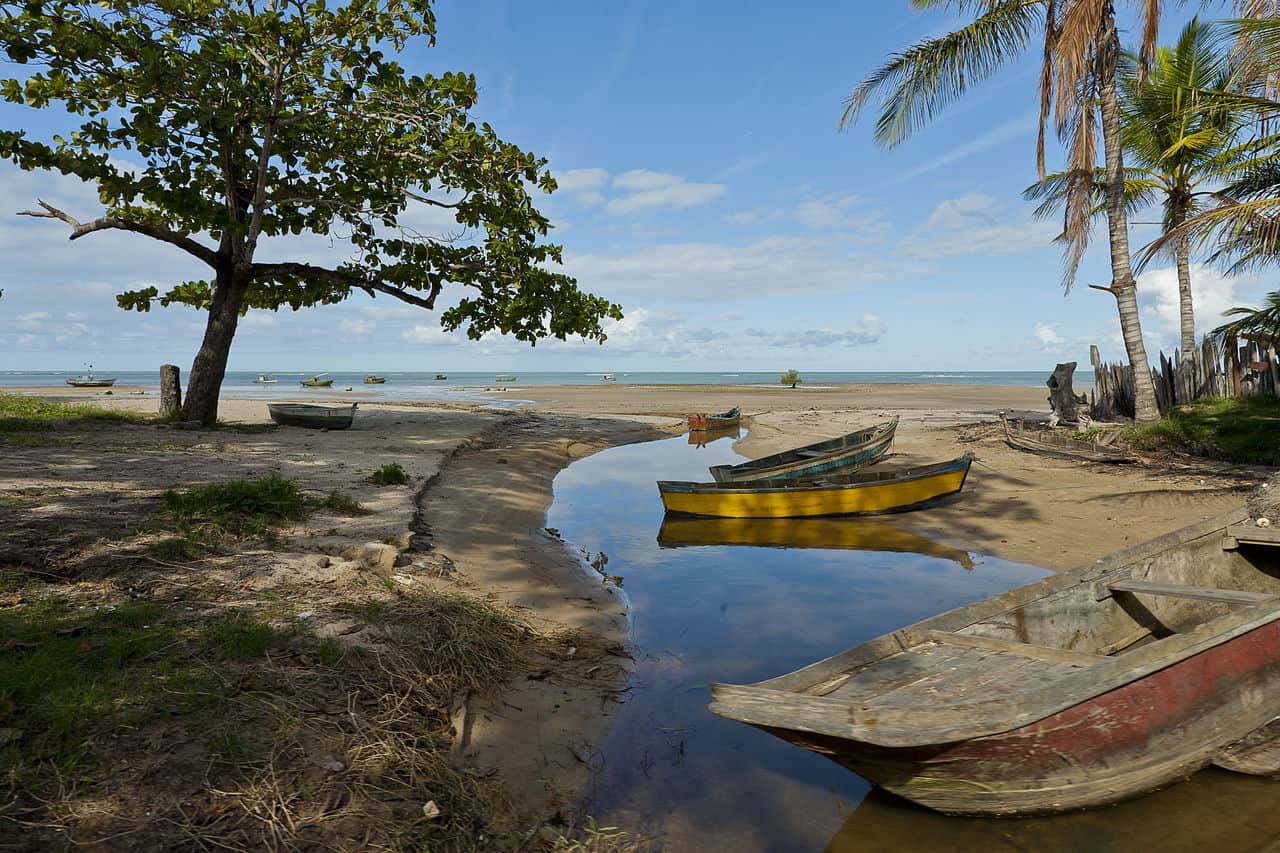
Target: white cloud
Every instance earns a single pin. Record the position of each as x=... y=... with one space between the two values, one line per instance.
x=1013 y=129
x=1047 y=338
x=584 y=185
x=427 y=335
x=33 y=321
x=356 y=329
x=1212 y=293
x=644 y=189
x=975 y=224
x=869 y=329
x=829 y=211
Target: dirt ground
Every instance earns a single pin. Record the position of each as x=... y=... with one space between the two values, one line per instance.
x=472 y=520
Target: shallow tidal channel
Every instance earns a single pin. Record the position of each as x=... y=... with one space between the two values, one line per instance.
x=740 y=601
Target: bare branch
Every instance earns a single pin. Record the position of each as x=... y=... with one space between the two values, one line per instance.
x=1107 y=289
x=105 y=223
x=348 y=279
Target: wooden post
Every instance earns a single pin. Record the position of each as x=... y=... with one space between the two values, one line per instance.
x=1233 y=367
x=170 y=391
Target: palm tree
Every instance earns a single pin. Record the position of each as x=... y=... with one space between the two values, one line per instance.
x=1177 y=139
x=1263 y=322
x=1081 y=50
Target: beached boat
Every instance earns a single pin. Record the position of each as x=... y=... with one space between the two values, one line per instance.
x=264 y=379
x=1062 y=445
x=862 y=493
x=833 y=456
x=505 y=377
x=1083 y=689
x=88 y=380
x=316 y=382
x=312 y=417
x=720 y=421
x=374 y=380
x=846 y=534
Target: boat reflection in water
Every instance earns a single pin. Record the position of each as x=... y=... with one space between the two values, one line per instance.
x=840 y=534
x=703 y=437
x=1213 y=810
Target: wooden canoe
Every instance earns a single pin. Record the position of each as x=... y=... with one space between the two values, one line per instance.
x=846 y=534
x=724 y=420
x=312 y=417
x=840 y=455
x=91 y=383
x=1062 y=445
x=314 y=382
x=1083 y=689
x=374 y=380
x=854 y=494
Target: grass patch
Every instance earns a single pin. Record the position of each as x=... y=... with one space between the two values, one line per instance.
x=342 y=504
x=178 y=549
x=390 y=474
x=1239 y=429
x=238 y=508
x=19 y=413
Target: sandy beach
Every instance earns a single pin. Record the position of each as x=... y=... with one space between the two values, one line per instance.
x=472 y=520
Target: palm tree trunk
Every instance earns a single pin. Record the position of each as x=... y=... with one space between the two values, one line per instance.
x=1186 y=310
x=1123 y=286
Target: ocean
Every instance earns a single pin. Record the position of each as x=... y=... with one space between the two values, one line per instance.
x=471 y=385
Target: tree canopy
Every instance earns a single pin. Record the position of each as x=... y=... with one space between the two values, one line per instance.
x=212 y=125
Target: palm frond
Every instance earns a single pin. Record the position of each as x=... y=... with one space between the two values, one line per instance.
x=1264 y=321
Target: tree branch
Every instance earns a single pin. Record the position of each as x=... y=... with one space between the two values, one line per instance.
x=1107 y=289
x=369 y=286
x=158 y=232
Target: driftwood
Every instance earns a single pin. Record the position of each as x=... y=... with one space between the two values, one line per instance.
x=170 y=391
x=1063 y=401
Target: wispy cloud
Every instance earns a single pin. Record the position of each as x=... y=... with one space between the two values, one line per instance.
x=1021 y=126
x=642 y=188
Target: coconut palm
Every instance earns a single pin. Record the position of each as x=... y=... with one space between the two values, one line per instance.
x=1180 y=143
x=1263 y=322
x=1081 y=55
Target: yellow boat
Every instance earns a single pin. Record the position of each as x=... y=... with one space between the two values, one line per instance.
x=843 y=534
x=866 y=493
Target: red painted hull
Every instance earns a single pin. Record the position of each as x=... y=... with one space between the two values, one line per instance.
x=1115 y=745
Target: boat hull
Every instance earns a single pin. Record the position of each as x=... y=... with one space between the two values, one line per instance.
x=873 y=497
x=91 y=383
x=826 y=458
x=312 y=417
x=724 y=420
x=1111 y=747
x=328 y=383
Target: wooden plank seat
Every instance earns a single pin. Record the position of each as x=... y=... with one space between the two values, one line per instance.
x=809 y=454
x=1200 y=593
x=1248 y=534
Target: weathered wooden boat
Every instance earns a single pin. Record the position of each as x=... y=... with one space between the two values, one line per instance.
x=505 y=377
x=861 y=493
x=1062 y=445
x=316 y=382
x=1083 y=689
x=845 y=534
x=374 y=380
x=312 y=417
x=723 y=420
x=840 y=455
x=90 y=382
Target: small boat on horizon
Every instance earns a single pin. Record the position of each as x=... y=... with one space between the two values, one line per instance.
x=375 y=380
x=316 y=382
x=265 y=379
x=723 y=420
x=1086 y=688
x=505 y=377
x=608 y=377
x=440 y=377
x=88 y=380
x=312 y=417
x=862 y=493
x=841 y=455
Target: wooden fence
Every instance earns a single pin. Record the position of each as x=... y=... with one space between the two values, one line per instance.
x=1242 y=369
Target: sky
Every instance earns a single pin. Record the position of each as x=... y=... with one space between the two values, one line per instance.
x=704 y=185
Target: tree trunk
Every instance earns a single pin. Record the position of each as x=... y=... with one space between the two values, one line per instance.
x=1123 y=286
x=210 y=364
x=1186 y=311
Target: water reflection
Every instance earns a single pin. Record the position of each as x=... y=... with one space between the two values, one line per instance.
x=719 y=608
x=703 y=437
x=1214 y=810
x=846 y=534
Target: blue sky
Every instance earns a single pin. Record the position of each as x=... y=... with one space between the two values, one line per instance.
x=704 y=186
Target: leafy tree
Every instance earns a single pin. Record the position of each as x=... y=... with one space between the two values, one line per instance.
x=256 y=119
x=1180 y=144
x=1081 y=50
x=790 y=378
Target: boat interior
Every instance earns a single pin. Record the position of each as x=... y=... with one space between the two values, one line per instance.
x=1139 y=610
x=879 y=474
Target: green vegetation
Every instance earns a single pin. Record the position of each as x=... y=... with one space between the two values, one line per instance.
x=1244 y=430
x=791 y=377
x=237 y=508
x=390 y=474
x=342 y=504
x=19 y=413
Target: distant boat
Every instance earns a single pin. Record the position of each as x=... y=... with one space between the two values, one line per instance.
x=316 y=382
x=720 y=421
x=608 y=377
x=440 y=377
x=88 y=380
x=1091 y=686
x=505 y=377
x=849 y=452
x=863 y=493
x=312 y=417
x=374 y=380
x=264 y=379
